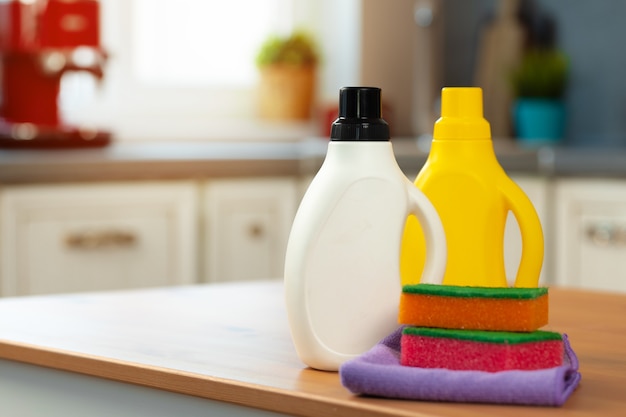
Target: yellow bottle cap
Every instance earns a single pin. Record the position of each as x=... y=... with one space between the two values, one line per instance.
x=462 y=115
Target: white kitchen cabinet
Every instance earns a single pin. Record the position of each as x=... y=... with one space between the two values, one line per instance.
x=73 y=237
x=590 y=222
x=246 y=227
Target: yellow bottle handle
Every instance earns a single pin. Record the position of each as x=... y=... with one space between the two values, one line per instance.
x=435 y=237
x=531 y=232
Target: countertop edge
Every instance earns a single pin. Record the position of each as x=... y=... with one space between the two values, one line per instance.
x=173 y=160
x=158 y=161
x=181 y=382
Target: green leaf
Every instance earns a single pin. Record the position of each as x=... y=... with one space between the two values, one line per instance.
x=298 y=49
x=542 y=73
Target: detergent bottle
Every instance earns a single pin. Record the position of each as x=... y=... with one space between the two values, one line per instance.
x=342 y=264
x=473 y=196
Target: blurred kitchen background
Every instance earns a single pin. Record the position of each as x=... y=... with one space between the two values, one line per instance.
x=177 y=166
x=186 y=70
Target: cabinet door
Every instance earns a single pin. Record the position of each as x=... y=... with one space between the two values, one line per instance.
x=247 y=225
x=67 y=238
x=591 y=234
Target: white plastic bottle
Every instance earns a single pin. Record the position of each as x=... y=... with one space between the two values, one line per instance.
x=342 y=272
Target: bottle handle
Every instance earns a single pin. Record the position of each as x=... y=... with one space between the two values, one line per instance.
x=436 y=247
x=532 y=236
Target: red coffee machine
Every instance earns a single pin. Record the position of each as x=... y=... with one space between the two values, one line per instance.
x=40 y=40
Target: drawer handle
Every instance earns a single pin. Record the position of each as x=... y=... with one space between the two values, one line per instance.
x=96 y=239
x=601 y=234
x=607 y=234
x=256 y=231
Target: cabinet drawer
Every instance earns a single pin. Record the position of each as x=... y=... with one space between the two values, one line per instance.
x=247 y=225
x=97 y=237
x=591 y=234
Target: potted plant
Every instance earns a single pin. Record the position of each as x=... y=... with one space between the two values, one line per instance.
x=287 y=68
x=539 y=83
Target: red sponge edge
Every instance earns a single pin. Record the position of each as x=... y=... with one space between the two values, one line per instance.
x=458 y=354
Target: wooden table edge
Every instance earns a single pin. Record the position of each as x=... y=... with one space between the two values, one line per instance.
x=189 y=383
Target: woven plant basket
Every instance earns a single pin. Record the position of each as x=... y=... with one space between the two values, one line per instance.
x=286 y=92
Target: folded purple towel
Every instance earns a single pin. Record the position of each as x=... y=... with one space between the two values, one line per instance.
x=378 y=372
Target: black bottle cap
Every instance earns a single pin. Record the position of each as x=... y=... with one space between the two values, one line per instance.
x=359 y=116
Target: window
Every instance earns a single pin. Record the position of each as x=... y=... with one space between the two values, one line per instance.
x=201 y=43
x=185 y=69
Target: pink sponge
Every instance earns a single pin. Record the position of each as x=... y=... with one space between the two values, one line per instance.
x=480 y=350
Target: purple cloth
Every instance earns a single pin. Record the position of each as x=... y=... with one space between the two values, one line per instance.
x=378 y=372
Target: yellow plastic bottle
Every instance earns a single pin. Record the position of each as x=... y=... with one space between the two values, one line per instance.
x=473 y=195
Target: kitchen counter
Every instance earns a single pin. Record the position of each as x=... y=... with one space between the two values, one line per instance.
x=155 y=160
x=226 y=348
x=184 y=160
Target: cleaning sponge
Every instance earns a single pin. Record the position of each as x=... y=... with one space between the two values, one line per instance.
x=480 y=350
x=474 y=308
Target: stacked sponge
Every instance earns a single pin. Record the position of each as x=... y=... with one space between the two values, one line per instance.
x=477 y=328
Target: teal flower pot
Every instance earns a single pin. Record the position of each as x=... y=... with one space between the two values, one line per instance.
x=539 y=120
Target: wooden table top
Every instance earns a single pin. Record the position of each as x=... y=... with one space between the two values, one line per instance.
x=231 y=342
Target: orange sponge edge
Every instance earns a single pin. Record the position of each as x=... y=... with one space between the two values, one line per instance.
x=473 y=313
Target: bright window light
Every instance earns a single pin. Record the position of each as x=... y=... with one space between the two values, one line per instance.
x=201 y=42
x=185 y=70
